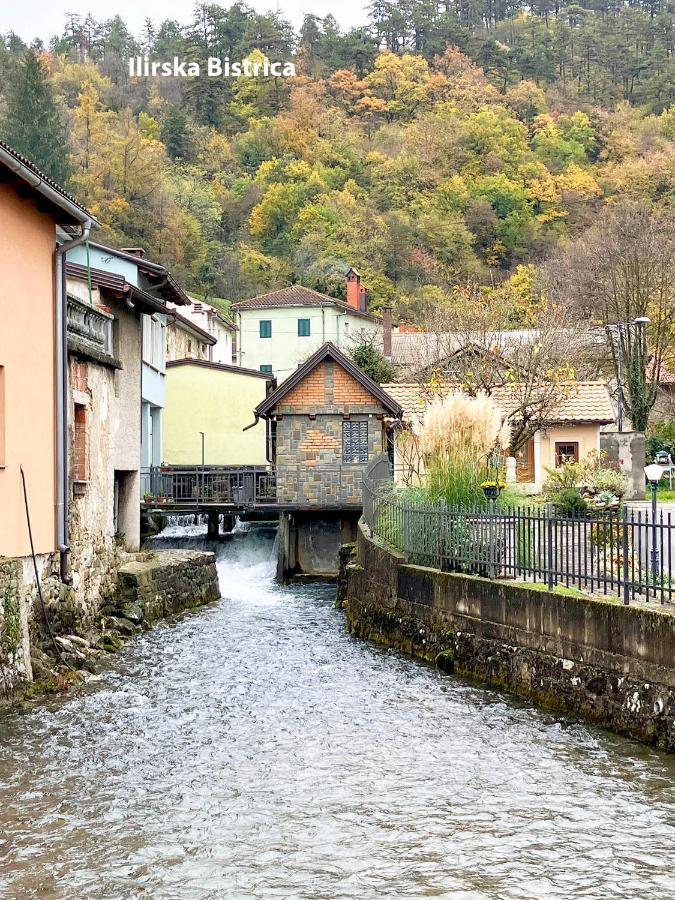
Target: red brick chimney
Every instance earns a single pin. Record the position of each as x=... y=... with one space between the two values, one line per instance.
x=386 y=331
x=356 y=293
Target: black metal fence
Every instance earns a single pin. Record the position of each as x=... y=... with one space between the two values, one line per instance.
x=238 y=485
x=627 y=553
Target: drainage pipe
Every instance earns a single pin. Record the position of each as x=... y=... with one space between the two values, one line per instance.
x=62 y=440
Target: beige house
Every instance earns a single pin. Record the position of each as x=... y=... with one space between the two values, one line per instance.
x=571 y=432
x=185 y=339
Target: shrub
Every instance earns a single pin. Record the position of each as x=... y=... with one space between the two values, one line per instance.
x=567 y=475
x=604 y=534
x=610 y=481
x=569 y=502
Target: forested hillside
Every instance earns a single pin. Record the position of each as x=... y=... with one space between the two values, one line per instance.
x=448 y=147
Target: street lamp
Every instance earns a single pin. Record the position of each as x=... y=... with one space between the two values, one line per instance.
x=653 y=473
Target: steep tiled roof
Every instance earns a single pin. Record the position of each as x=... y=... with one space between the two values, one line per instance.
x=297 y=295
x=584 y=401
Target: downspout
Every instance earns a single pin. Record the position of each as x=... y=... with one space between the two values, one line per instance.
x=62 y=480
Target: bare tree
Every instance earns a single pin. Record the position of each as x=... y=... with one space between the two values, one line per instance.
x=621 y=271
x=530 y=373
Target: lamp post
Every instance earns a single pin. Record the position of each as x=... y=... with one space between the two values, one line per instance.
x=653 y=474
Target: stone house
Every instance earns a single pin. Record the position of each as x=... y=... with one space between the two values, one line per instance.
x=213 y=321
x=153 y=287
x=33 y=390
x=326 y=422
x=185 y=339
x=280 y=330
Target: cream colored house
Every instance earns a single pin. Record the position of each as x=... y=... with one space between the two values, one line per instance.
x=280 y=330
x=215 y=400
x=572 y=432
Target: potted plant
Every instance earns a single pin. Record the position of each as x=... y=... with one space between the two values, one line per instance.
x=148 y=498
x=492 y=488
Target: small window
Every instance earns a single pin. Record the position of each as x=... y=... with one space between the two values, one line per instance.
x=355 y=442
x=266 y=368
x=566 y=451
x=80 y=443
x=304 y=328
x=265 y=328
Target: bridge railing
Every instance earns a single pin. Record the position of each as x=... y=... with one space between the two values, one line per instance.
x=238 y=485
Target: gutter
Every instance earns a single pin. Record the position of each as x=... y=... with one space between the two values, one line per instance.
x=62 y=437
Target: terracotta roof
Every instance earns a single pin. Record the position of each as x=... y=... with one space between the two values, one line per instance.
x=585 y=401
x=79 y=214
x=328 y=351
x=297 y=295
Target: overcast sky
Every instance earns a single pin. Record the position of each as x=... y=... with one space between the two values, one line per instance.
x=43 y=18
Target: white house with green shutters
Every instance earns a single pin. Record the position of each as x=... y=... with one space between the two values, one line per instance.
x=280 y=330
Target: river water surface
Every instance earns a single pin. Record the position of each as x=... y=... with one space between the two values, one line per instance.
x=254 y=749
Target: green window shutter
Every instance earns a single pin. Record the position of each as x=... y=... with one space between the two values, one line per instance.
x=266 y=368
x=265 y=328
x=304 y=327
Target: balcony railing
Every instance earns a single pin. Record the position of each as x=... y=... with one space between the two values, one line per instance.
x=90 y=327
x=231 y=485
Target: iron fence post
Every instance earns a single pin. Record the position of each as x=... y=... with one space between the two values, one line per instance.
x=625 y=551
x=549 y=541
x=492 y=540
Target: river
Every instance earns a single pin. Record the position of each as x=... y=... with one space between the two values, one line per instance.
x=254 y=749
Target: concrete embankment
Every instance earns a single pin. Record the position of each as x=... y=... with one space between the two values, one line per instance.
x=610 y=664
x=147 y=587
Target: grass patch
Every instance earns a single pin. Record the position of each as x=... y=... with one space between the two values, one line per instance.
x=557 y=589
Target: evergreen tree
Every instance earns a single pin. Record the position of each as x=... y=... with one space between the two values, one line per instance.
x=33 y=124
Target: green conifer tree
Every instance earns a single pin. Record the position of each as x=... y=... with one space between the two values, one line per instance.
x=33 y=124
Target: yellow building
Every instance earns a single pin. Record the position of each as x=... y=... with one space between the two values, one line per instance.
x=217 y=400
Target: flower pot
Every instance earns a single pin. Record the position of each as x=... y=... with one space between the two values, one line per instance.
x=491 y=491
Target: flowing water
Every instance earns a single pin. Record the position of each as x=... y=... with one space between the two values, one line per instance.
x=254 y=749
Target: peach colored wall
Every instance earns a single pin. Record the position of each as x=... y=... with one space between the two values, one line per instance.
x=27 y=243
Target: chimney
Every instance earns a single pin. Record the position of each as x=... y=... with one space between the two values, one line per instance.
x=354 y=289
x=386 y=331
x=134 y=251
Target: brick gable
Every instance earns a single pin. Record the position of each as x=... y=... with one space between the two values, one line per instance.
x=311 y=391
x=328 y=384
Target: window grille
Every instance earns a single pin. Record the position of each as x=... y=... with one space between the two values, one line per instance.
x=355 y=442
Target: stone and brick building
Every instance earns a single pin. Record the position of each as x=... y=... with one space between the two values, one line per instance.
x=326 y=422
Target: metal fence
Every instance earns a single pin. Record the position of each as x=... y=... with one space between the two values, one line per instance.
x=628 y=553
x=238 y=485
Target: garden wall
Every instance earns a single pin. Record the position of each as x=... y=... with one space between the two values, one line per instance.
x=610 y=664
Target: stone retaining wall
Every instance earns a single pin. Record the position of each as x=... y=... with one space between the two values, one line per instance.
x=121 y=596
x=165 y=583
x=611 y=664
